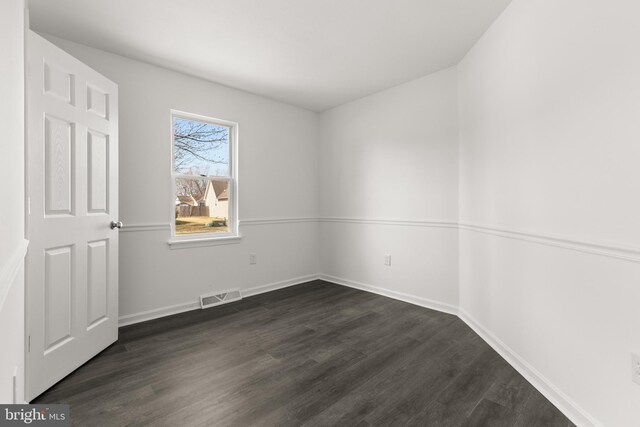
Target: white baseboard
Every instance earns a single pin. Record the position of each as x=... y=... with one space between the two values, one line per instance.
x=156 y=313
x=412 y=299
x=256 y=290
x=563 y=402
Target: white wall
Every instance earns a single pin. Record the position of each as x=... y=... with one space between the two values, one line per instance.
x=393 y=156
x=278 y=178
x=545 y=264
x=12 y=243
x=549 y=167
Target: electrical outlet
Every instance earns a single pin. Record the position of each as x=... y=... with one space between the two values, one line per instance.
x=253 y=259
x=635 y=368
x=387 y=260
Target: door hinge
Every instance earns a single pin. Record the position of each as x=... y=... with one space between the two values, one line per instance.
x=29 y=344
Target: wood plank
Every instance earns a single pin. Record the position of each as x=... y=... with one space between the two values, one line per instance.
x=316 y=354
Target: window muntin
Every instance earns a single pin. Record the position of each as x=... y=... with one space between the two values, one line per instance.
x=203 y=177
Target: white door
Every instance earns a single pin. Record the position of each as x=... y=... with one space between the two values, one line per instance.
x=72 y=182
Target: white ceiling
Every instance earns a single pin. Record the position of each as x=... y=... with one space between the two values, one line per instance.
x=315 y=54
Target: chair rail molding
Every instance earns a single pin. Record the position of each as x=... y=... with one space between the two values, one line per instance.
x=128 y=228
x=161 y=226
x=269 y=221
x=395 y=222
x=607 y=249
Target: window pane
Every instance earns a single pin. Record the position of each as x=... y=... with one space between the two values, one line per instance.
x=200 y=148
x=202 y=206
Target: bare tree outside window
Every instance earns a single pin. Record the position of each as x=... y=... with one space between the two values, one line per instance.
x=200 y=148
x=201 y=153
x=191 y=187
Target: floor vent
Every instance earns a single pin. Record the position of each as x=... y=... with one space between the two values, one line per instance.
x=223 y=297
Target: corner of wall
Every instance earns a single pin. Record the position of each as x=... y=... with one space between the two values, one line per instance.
x=12 y=245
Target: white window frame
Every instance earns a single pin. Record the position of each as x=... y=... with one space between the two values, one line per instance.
x=205 y=239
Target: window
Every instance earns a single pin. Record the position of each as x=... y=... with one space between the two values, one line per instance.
x=204 y=177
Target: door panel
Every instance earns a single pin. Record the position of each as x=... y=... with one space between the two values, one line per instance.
x=58 y=291
x=98 y=172
x=59 y=152
x=58 y=83
x=98 y=262
x=97 y=102
x=72 y=181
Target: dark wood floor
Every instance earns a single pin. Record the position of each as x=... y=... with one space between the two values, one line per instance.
x=314 y=354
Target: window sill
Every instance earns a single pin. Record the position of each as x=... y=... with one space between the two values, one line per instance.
x=203 y=242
